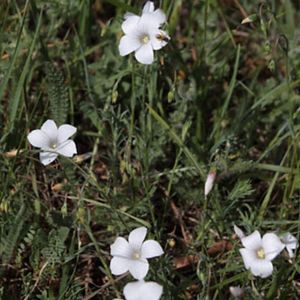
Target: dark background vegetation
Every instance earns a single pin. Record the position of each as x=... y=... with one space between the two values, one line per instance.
x=221 y=95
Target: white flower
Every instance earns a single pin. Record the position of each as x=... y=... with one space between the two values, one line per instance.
x=141 y=290
x=290 y=242
x=259 y=252
x=132 y=255
x=53 y=141
x=209 y=183
x=142 y=34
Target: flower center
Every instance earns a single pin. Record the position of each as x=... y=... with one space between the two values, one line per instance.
x=54 y=145
x=136 y=255
x=260 y=253
x=145 y=39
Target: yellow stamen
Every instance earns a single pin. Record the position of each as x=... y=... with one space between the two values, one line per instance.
x=260 y=253
x=145 y=39
x=136 y=255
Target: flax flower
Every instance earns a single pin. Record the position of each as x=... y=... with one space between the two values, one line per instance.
x=53 y=141
x=132 y=255
x=143 y=34
x=142 y=290
x=259 y=252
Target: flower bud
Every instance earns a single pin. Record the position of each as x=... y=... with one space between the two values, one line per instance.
x=114 y=97
x=238 y=232
x=236 y=291
x=209 y=182
x=170 y=96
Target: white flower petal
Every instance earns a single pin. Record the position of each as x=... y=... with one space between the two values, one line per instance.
x=238 y=231
x=289 y=240
x=249 y=256
x=128 y=44
x=290 y=243
x=128 y=15
x=38 y=138
x=262 y=268
x=152 y=290
x=47 y=158
x=144 y=54
x=68 y=148
x=50 y=128
x=159 y=16
x=272 y=245
x=147 y=23
x=121 y=248
x=252 y=241
x=136 y=237
x=142 y=290
x=151 y=21
x=64 y=132
x=151 y=248
x=119 y=265
x=132 y=290
x=138 y=268
x=148 y=7
x=130 y=24
x=158 y=39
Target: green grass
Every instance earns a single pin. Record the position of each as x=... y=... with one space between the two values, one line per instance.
x=221 y=95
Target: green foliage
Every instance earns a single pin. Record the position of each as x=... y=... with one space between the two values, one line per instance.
x=53 y=253
x=9 y=242
x=57 y=93
x=220 y=96
x=241 y=190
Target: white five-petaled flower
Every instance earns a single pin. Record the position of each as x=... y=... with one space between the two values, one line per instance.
x=259 y=252
x=53 y=141
x=143 y=34
x=132 y=255
x=290 y=242
x=141 y=290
